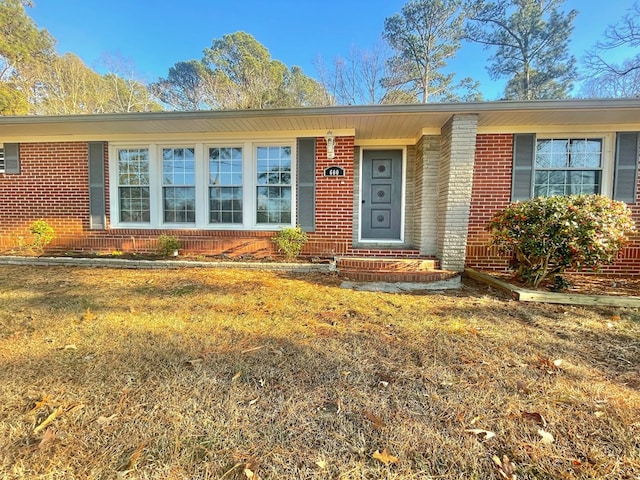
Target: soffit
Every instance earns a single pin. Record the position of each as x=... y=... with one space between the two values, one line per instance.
x=383 y=122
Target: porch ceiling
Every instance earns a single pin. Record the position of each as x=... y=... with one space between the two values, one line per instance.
x=379 y=122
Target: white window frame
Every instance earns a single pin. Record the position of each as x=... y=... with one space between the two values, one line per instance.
x=201 y=149
x=242 y=146
x=159 y=149
x=608 y=152
x=255 y=185
x=3 y=164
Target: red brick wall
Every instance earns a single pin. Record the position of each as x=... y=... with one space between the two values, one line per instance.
x=334 y=200
x=52 y=185
x=492 y=191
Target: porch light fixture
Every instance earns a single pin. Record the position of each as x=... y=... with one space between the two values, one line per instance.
x=331 y=143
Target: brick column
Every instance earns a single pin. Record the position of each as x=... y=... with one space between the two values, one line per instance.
x=457 y=152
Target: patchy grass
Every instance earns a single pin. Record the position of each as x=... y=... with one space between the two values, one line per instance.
x=225 y=374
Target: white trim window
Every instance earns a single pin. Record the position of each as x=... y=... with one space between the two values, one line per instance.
x=179 y=185
x=2 y=165
x=203 y=185
x=133 y=185
x=568 y=166
x=225 y=185
x=273 y=191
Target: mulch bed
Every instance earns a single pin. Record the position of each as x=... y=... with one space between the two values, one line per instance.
x=587 y=284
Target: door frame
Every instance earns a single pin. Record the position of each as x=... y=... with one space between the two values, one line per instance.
x=403 y=191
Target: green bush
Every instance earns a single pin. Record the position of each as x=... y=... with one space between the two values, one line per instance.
x=547 y=235
x=290 y=241
x=43 y=234
x=168 y=245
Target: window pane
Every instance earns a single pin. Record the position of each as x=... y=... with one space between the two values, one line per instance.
x=551 y=153
x=274 y=205
x=225 y=205
x=134 y=204
x=133 y=166
x=584 y=182
x=178 y=166
x=586 y=153
x=225 y=166
x=179 y=204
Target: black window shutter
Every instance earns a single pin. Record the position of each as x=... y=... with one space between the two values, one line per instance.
x=96 y=186
x=12 y=158
x=307 y=183
x=626 y=170
x=523 y=158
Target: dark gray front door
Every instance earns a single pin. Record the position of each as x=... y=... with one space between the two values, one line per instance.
x=381 y=213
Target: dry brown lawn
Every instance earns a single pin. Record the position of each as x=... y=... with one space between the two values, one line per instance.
x=239 y=374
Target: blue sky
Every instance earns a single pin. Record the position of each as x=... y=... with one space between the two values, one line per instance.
x=155 y=34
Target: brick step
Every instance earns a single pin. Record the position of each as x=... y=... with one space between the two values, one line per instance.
x=391 y=269
x=426 y=276
x=407 y=265
x=389 y=254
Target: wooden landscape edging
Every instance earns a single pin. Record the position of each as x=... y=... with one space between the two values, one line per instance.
x=526 y=295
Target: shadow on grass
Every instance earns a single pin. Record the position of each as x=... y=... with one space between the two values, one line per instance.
x=199 y=373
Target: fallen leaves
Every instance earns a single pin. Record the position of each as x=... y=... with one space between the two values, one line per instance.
x=105 y=421
x=534 y=417
x=385 y=457
x=375 y=420
x=193 y=363
x=480 y=432
x=546 y=436
x=44 y=400
x=250 y=471
x=48 y=439
x=55 y=413
x=47 y=421
x=550 y=366
x=88 y=316
x=131 y=460
x=506 y=469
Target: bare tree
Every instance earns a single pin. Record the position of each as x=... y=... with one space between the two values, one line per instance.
x=606 y=77
x=126 y=93
x=358 y=78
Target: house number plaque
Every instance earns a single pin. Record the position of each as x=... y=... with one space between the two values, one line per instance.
x=334 y=172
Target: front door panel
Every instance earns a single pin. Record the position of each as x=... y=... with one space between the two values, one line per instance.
x=381 y=195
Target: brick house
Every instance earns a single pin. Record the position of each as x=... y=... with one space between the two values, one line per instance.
x=364 y=181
